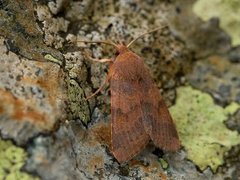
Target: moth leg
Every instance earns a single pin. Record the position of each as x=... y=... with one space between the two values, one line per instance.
x=101 y=60
x=98 y=60
x=100 y=88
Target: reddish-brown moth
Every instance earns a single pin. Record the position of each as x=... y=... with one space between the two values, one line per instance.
x=138 y=111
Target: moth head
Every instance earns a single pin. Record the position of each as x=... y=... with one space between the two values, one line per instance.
x=121 y=49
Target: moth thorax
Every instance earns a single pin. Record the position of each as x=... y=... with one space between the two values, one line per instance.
x=121 y=49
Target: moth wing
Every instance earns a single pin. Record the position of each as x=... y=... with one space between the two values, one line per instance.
x=128 y=133
x=157 y=120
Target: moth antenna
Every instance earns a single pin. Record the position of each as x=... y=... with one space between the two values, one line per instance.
x=120 y=40
x=104 y=42
x=144 y=35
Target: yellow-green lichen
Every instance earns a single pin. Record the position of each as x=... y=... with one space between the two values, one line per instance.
x=163 y=163
x=228 y=11
x=50 y=58
x=78 y=105
x=201 y=128
x=12 y=159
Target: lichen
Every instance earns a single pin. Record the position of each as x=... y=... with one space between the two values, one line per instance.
x=163 y=163
x=23 y=35
x=227 y=11
x=77 y=104
x=11 y=161
x=50 y=58
x=201 y=127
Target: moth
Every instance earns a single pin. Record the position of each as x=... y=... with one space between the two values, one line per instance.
x=138 y=111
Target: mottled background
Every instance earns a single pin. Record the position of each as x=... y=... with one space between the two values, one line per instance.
x=49 y=131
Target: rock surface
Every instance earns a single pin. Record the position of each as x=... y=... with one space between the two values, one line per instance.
x=45 y=77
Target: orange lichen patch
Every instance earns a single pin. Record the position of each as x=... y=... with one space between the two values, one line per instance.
x=162 y=176
x=153 y=167
x=102 y=133
x=149 y=168
x=20 y=110
x=96 y=162
x=215 y=60
x=134 y=162
x=50 y=81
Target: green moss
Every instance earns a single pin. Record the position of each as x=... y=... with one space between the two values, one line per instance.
x=228 y=11
x=201 y=128
x=12 y=159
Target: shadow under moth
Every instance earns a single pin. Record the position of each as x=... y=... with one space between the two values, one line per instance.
x=138 y=111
